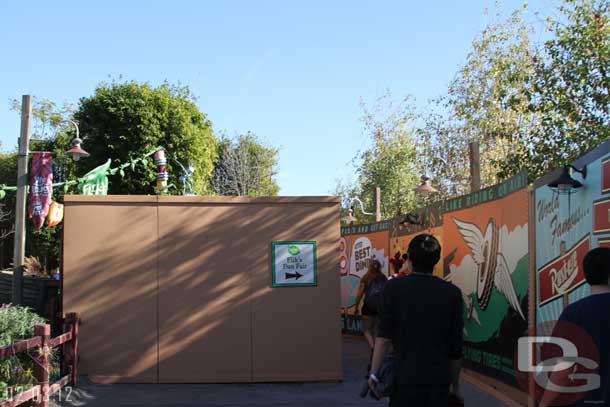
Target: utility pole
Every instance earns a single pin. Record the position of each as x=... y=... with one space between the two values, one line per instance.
x=377 y=204
x=475 y=166
x=22 y=183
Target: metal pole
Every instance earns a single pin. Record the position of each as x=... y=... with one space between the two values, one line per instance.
x=475 y=166
x=377 y=204
x=22 y=182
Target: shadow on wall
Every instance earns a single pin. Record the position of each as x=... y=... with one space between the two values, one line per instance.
x=216 y=317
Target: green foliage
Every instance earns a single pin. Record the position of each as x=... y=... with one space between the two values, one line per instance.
x=390 y=163
x=16 y=323
x=487 y=101
x=124 y=121
x=529 y=109
x=47 y=117
x=245 y=167
x=572 y=86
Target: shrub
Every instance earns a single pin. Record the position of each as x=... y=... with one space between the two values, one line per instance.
x=17 y=323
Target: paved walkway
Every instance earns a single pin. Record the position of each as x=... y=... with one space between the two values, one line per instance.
x=244 y=395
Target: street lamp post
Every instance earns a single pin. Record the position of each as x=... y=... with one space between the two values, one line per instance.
x=22 y=182
x=76 y=152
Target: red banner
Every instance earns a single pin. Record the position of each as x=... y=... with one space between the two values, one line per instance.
x=41 y=187
x=563 y=274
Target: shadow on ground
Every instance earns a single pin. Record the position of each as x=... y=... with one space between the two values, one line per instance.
x=355 y=355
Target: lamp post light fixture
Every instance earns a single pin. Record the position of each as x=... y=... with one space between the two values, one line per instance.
x=426 y=187
x=565 y=184
x=361 y=206
x=350 y=218
x=412 y=218
x=76 y=152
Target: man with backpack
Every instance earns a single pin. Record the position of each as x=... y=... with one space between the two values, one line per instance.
x=420 y=318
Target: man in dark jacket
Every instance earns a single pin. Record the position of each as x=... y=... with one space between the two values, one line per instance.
x=421 y=317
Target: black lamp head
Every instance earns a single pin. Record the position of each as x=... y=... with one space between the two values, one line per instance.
x=564 y=184
x=412 y=219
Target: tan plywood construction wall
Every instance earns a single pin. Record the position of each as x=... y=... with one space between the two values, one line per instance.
x=190 y=279
x=110 y=278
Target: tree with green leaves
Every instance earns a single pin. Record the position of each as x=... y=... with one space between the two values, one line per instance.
x=124 y=121
x=390 y=163
x=533 y=109
x=487 y=101
x=47 y=118
x=245 y=167
x=571 y=88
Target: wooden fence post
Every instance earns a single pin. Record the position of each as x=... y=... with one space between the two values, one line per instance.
x=42 y=368
x=71 y=347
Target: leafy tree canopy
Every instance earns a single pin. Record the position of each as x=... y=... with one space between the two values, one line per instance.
x=124 y=121
x=529 y=107
x=245 y=167
x=571 y=88
x=390 y=162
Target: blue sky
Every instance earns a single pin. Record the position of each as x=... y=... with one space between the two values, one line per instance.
x=291 y=72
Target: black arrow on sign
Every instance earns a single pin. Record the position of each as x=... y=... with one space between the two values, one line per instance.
x=296 y=275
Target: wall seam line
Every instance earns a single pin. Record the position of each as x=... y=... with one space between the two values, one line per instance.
x=158 y=295
x=251 y=302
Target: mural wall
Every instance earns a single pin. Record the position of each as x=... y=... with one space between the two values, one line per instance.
x=486 y=256
x=358 y=245
x=567 y=227
x=485 y=253
x=484 y=237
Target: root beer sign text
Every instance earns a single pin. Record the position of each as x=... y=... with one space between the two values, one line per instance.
x=563 y=274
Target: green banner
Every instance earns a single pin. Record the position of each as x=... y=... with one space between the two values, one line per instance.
x=95 y=182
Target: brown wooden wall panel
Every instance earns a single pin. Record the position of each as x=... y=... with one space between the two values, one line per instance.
x=178 y=289
x=295 y=337
x=110 y=278
x=204 y=297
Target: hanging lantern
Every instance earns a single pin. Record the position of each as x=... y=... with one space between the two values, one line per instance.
x=56 y=214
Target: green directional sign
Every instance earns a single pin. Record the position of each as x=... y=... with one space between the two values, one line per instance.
x=294 y=264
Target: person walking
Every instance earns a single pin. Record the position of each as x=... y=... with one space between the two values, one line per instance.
x=420 y=317
x=591 y=314
x=396 y=263
x=405 y=268
x=371 y=286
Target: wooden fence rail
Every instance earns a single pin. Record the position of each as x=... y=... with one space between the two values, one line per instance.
x=43 y=343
